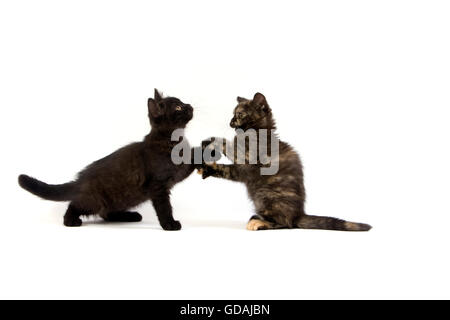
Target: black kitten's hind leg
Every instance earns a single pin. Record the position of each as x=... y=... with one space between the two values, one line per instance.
x=123 y=216
x=72 y=216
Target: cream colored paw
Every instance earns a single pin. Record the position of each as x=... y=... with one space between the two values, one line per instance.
x=255 y=225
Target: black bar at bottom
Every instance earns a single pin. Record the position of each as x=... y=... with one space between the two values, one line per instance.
x=223 y=309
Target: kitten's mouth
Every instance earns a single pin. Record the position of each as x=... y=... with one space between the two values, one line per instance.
x=236 y=126
x=189 y=113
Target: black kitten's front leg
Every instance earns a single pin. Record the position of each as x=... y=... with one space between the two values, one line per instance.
x=163 y=209
x=197 y=157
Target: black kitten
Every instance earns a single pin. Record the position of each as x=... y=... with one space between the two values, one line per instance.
x=133 y=174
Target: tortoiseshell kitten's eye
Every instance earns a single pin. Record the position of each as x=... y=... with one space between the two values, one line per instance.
x=178 y=108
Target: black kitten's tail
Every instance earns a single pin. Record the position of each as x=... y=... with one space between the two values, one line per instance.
x=328 y=223
x=55 y=192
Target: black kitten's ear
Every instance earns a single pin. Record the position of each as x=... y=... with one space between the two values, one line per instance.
x=153 y=108
x=157 y=96
x=240 y=99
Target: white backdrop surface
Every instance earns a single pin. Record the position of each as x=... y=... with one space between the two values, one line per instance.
x=359 y=88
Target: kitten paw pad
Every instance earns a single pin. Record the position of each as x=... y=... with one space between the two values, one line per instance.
x=256 y=224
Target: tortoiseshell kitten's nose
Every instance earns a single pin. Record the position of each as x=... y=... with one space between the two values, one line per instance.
x=233 y=122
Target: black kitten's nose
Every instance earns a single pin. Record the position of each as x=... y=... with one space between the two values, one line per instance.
x=232 y=123
x=190 y=111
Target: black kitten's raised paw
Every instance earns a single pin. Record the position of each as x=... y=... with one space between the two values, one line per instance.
x=205 y=144
x=171 y=225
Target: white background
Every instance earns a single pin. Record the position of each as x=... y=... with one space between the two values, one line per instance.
x=359 y=88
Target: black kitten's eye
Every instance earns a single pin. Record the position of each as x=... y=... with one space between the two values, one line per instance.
x=178 y=108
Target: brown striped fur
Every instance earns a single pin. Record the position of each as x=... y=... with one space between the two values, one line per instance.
x=279 y=199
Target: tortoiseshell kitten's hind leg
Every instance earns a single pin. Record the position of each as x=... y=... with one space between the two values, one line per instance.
x=257 y=223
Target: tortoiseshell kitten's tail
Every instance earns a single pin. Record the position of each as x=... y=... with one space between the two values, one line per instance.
x=54 y=192
x=329 y=223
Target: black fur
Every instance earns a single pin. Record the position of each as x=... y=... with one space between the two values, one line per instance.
x=133 y=174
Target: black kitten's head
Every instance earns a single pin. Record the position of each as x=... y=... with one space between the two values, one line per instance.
x=169 y=112
x=255 y=113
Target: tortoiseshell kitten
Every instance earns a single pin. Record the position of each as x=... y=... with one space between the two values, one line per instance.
x=279 y=198
x=131 y=175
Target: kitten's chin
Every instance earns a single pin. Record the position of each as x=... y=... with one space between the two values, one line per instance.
x=236 y=127
x=186 y=118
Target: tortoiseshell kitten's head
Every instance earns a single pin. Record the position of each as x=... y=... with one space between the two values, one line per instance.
x=255 y=114
x=168 y=113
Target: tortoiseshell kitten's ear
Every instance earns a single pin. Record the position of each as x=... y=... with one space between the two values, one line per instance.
x=240 y=99
x=259 y=100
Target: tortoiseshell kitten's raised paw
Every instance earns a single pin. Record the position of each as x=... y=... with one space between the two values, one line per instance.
x=279 y=198
x=133 y=174
x=208 y=170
